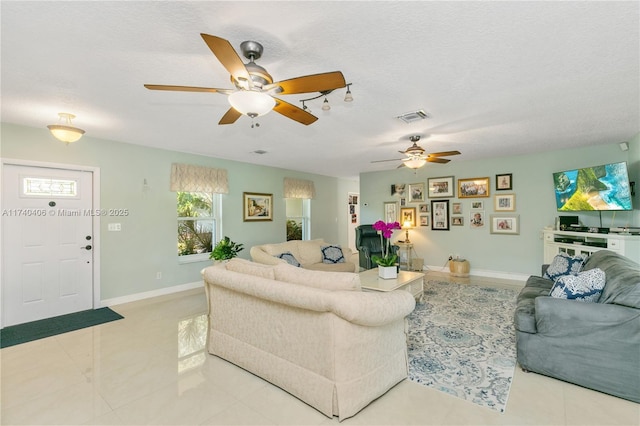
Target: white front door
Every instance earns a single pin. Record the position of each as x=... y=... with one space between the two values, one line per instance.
x=47 y=243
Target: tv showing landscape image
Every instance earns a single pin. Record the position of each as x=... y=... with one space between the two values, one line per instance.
x=603 y=187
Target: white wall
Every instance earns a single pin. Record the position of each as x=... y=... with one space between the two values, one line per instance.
x=146 y=245
x=535 y=204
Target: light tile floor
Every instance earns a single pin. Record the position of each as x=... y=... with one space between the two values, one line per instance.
x=152 y=368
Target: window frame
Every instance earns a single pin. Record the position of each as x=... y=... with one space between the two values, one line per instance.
x=216 y=229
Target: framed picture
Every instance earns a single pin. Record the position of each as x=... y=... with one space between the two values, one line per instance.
x=504 y=182
x=391 y=211
x=423 y=208
x=456 y=208
x=408 y=214
x=505 y=224
x=398 y=189
x=473 y=187
x=505 y=203
x=440 y=215
x=416 y=192
x=257 y=207
x=457 y=220
x=476 y=219
x=403 y=201
x=441 y=187
x=424 y=220
x=477 y=205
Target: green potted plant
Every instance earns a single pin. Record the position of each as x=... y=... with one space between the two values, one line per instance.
x=225 y=250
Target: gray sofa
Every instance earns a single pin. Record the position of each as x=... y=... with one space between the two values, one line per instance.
x=595 y=345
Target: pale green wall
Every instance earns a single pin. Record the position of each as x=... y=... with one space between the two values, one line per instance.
x=146 y=245
x=533 y=186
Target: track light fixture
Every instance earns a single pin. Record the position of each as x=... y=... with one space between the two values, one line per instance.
x=348 y=97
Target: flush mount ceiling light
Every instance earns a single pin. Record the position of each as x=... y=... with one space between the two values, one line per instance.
x=65 y=132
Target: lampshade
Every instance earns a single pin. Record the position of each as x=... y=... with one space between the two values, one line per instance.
x=415 y=163
x=348 y=97
x=65 y=132
x=407 y=224
x=251 y=103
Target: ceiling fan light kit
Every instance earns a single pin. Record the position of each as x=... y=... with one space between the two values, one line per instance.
x=416 y=156
x=256 y=90
x=66 y=132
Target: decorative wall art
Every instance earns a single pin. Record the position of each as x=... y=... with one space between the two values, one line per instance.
x=257 y=207
x=505 y=224
x=504 y=182
x=391 y=211
x=456 y=208
x=476 y=219
x=457 y=220
x=473 y=187
x=423 y=208
x=398 y=189
x=416 y=192
x=424 y=220
x=408 y=214
x=441 y=187
x=505 y=203
x=440 y=215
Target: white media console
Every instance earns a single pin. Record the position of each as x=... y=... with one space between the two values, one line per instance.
x=574 y=243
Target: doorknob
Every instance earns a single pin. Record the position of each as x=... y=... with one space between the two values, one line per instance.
x=87 y=247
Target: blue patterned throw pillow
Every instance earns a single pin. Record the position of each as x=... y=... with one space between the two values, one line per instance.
x=332 y=254
x=585 y=287
x=564 y=264
x=290 y=258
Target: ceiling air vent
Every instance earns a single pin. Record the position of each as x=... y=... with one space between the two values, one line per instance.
x=260 y=151
x=413 y=116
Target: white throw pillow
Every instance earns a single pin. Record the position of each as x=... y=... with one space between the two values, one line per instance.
x=585 y=287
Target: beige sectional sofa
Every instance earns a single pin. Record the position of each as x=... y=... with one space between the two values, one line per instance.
x=308 y=253
x=314 y=334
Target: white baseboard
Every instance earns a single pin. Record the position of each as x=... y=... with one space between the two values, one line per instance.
x=486 y=273
x=149 y=294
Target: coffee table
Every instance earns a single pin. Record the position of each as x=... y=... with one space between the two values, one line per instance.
x=413 y=282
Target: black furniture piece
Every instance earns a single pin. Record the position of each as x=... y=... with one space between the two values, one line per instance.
x=368 y=243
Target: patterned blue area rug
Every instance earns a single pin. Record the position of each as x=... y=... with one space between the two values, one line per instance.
x=462 y=342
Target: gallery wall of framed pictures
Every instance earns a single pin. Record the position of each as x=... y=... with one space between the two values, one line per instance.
x=445 y=203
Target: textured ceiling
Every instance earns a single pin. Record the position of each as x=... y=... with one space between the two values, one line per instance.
x=496 y=78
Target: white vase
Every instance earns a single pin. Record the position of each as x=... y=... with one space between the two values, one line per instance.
x=388 y=272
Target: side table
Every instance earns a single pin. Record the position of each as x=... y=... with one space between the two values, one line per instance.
x=405 y=249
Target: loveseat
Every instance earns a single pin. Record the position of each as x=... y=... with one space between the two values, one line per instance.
x=595 y=345
x=309 y=254
x=314 y=334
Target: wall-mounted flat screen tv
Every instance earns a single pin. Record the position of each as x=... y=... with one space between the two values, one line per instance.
x=603 y=187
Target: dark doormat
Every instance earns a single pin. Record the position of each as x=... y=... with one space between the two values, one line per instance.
x=27 y=332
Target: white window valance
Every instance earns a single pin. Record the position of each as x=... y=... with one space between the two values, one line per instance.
x=299 y=188
x=192 y=178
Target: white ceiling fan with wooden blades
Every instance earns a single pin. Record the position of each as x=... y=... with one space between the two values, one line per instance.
x=255 y=91
x=417 y=157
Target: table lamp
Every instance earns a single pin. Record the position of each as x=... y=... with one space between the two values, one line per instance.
x=406 y=225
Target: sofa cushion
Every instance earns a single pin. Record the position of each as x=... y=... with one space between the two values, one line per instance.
x=319 y=279
x=564 y=264
x=289 y=258
x=309 y=251
x=335 y=267
x=535 y=281
x=623 y=278
x=585 y=287
x=276 y=249
x=247 y=267
x=332 y=254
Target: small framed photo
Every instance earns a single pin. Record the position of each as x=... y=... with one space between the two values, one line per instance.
x=416 y=192
x=257 y=207
x=408 y=214
x=456 y=208
x=504 y=182
x=441 y=187
x=423 y=208
x=440 y=215
x=424 y=220
x=391 y=211
x=473 y=187
x=457 y=220
x=398 y=189
x=403 y=201
x=477 y=205
x=505 y=203
x=476 y=219
x=505 y=224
